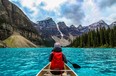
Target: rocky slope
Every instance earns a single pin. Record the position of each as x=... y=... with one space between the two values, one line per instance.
x=48 y=28
x=62 y=41
x=13 y=19
x=18 y=41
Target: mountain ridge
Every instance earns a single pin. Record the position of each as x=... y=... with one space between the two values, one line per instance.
x=68 y=31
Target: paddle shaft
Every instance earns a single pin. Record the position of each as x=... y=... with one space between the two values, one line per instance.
x=70 y=62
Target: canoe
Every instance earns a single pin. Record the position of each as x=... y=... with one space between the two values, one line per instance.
x=46 y=71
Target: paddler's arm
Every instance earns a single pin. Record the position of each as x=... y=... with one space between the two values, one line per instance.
x=50 y=57
x=64 y=58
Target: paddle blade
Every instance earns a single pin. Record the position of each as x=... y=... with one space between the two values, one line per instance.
x=76 y=66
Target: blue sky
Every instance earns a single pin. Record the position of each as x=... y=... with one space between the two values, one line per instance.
x=76 y=12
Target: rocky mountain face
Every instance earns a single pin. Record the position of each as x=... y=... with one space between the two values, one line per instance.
x=63 y=28
x=72 y=30
x=48 y=28
x=12 y=19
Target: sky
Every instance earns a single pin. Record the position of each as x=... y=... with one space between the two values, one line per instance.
x=72 y=12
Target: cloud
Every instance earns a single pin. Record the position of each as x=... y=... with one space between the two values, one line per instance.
x=105 y=3
x=71 y=12
x=92 y=12
x=32 y=5
x=52 y=4
x=109 y=14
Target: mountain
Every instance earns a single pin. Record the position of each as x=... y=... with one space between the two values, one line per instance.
x=48 y=28
x=60 y=31
x=12 y=19
x=63 y=28
x=18 y=41
x=79 y=27
x=113 y=24
x=50 y=31
x=99 y=24
x=73 y=30
x=93 y=26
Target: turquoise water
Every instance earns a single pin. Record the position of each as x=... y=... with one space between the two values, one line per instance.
x=28 y=62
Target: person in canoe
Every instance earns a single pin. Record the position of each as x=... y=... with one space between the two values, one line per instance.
x=57 y=59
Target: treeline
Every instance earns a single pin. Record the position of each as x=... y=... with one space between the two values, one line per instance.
x=97 y=38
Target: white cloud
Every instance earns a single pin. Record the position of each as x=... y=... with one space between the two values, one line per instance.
x=110 y=19
x=32 y=5
x=52 y=4
x=108 y=14
x=92 y=12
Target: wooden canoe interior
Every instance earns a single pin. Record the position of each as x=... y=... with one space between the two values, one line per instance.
x=46 y=72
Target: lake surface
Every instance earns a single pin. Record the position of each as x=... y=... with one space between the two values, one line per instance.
x=29 y=61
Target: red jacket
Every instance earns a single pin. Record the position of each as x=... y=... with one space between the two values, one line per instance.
x=57 y=59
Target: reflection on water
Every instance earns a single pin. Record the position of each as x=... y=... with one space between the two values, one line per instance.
x=23 y=62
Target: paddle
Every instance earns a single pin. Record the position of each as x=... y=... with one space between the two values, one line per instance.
x=74 y=65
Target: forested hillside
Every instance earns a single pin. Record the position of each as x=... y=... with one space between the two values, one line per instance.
x=97 y=38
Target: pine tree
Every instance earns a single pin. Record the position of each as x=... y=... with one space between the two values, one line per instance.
x=111 y=38
x=85 y=40
x=98 y=38
x=101 y=37
x=81 y=41
x=94 y=39
x=106 y=34
x=89 y=39
x=114 y=35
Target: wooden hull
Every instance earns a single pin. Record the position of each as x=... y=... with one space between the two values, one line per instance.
x=46 y=71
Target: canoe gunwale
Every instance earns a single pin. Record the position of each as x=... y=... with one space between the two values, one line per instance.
x=44 y=69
